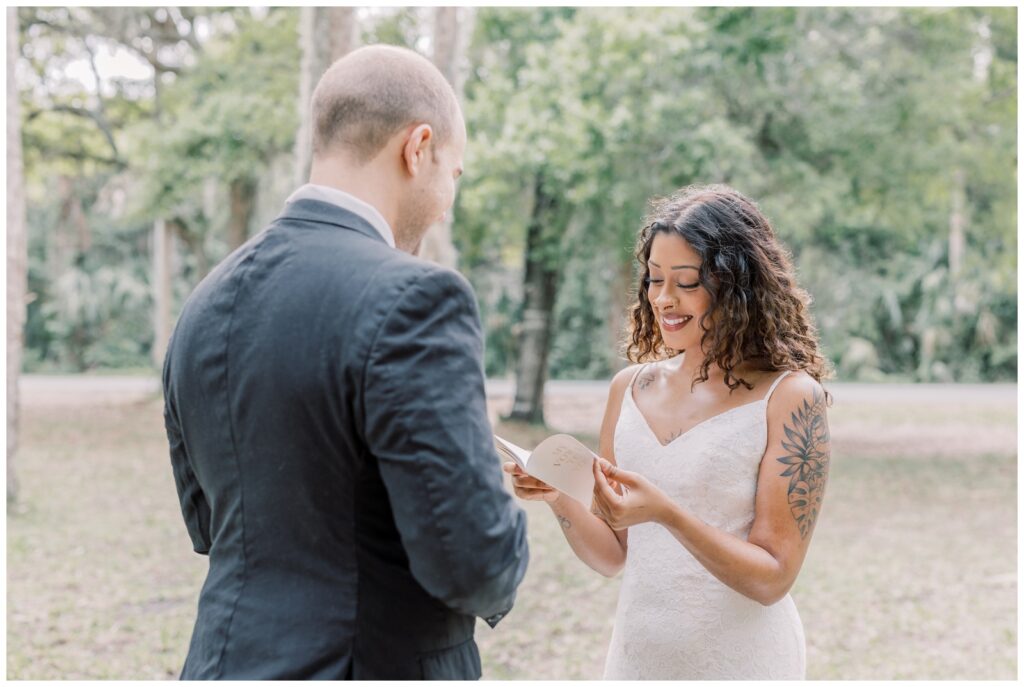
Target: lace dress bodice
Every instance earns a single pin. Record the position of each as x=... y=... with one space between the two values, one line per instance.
x=674 y=619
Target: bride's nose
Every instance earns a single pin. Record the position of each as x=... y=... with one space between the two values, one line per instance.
x=663 y=301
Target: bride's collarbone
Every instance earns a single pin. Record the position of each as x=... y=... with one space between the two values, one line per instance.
x=672 y=409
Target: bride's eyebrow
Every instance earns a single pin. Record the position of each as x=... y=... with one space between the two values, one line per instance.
x=677 y=267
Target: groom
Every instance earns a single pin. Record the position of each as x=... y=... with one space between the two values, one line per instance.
x=324 y=403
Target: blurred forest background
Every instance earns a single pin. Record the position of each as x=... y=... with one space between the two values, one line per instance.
x=881 y=142
x=144 y=144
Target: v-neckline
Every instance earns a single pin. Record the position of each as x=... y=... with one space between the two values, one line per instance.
x=691 y=429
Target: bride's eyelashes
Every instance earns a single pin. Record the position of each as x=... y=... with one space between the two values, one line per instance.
x=689 y=287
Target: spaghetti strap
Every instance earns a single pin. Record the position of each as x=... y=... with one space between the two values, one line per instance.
x=635 y=375
x=775 y=384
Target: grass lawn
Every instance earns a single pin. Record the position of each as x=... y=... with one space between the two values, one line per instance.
x=911 y=574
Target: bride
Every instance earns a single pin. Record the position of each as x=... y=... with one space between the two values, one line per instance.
x=716 y=452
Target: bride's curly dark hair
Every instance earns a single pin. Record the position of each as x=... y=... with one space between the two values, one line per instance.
x=758 y=314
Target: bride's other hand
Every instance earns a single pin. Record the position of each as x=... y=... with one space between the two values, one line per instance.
x=623 y=498
x=529 y=488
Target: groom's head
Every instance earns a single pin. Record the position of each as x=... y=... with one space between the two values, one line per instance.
x=388 y=124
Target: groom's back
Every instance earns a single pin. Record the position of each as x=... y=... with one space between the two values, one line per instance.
x=264 y=379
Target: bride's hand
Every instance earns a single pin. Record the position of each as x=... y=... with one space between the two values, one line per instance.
x=623 y=498
x=529 y=488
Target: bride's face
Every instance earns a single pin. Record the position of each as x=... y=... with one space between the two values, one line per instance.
x=676 y=294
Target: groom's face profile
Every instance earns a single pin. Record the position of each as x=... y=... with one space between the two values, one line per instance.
x=433 y=170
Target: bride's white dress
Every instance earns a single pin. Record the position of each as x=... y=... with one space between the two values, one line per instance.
x=675 y=620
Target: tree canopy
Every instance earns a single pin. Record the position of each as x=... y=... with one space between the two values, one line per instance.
x=881 y=142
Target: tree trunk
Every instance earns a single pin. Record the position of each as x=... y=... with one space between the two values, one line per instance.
x=243 y=201
x=162 y=250
x=540 y=287
x=60 y=248
x=621 y=299
x=957 y=221
x=343 y=27
x=194 y=243
x=325 y=35
x=17 y=257
x=75 y=236
x=450 y=28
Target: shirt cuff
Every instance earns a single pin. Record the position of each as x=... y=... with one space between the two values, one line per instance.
x=496 y=618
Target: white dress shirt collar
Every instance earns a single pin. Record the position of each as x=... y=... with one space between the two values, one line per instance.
x=348 y=202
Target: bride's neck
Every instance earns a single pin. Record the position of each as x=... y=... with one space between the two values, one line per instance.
x=687 y=366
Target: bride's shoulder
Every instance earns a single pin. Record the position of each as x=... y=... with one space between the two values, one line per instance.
x=798 y=382
x=625 y=377
x=793 y=390
x=617 y=391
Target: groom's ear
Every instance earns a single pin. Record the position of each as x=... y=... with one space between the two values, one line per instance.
x=417 y=148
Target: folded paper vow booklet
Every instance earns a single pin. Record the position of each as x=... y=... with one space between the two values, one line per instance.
x=560 y=461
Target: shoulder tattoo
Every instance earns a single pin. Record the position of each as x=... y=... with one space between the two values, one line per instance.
x=645 y=379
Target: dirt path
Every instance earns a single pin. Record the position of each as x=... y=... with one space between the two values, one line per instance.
x=919 y=419
x=912 y=574
x=62 y=389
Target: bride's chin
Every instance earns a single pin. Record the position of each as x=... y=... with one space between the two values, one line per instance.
x=676 y=344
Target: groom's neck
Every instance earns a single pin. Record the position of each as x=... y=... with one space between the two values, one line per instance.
x=369 y=183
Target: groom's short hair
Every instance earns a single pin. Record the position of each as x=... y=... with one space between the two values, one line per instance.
x=369 y=95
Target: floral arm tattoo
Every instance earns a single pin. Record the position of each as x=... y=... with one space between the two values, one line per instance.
x=807 y=461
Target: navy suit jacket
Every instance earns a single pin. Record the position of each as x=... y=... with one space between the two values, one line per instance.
x=324 y=403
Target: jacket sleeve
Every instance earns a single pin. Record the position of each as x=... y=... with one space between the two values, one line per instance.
x=194 y=506
x=427 y=426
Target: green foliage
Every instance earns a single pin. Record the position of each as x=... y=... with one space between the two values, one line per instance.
x=222 y=115
x=852 y=127
x=587 y=344
x=94 y=318
x=394 y=26
x=848 y=125
x=230 y=116
x=89 y=298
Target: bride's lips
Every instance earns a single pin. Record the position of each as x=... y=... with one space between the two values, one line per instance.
x=671 y=322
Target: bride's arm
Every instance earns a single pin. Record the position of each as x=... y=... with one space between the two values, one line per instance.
x=790 y=486
x=590 y=537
